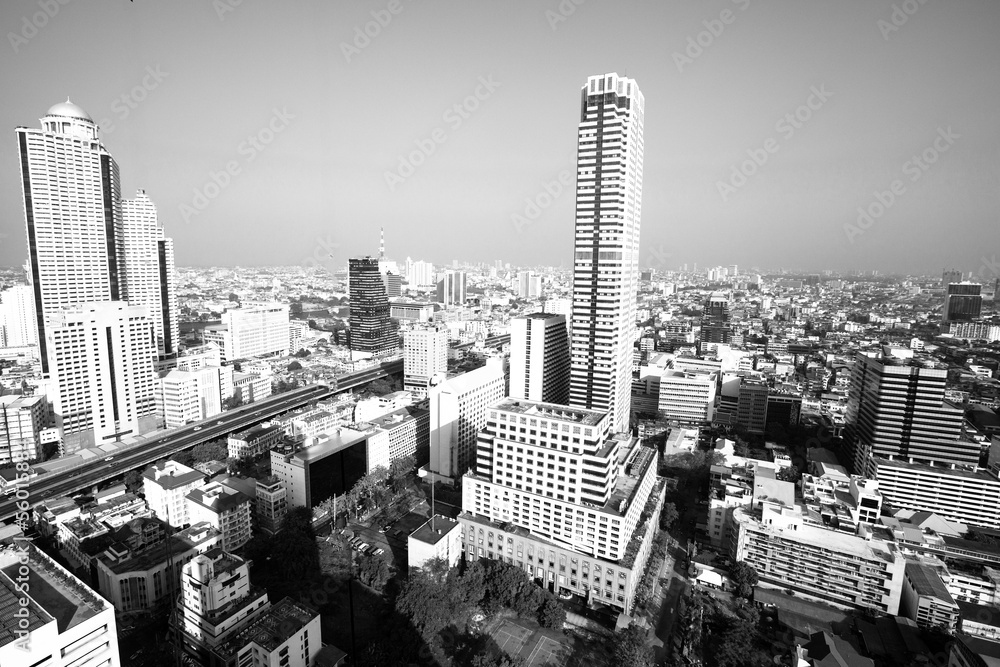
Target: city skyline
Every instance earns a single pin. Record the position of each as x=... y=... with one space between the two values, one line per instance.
x=863 y=114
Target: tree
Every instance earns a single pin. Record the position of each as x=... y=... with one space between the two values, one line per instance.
x=303 y=353
x=210 y=451
x=295 y=308
x=552 y=614
x=399 y=468
x=379 y=387
x=133 y=480
x=628 y=648
x=294 y=366
x=789 y=474
x=668 y=515
x=373 y=571
x=298 y=519
x=232 y=402
x=744 y=578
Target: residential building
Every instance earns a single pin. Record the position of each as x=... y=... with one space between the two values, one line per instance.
x=17 y=316
x=225 y=509
x=286 y=635
x=253 y=331
x=270 y=504
x=183 y=397
x=688 y=396
x=967 y=496
x=457 y=413
x=437 y=538
x=451 y=288
x=50 y=617
x=963 y=302
x=606 y=260
x=539 y=358
x=425 y=357
x=926 y=599
x=751 y=406
x=372 y=330
x=101 y=357
x=22 y=420
x=166 y=486
x=254 y=441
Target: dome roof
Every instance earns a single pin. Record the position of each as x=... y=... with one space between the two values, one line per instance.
x=70 y=110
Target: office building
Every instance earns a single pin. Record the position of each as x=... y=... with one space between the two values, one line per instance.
x=751 y=405
x=400 y=433
x=101 y=357
x=975 y=331
x=17 y=317
x=715 y=327
x=166 y=486
x=217 y=600
x=393 y=284
x=270 y=504
x=457 y=412
x=50 y=617
x=949 y=276
x=606 y=257
x=72 y=205
x=149 y=271
x=22 y=420
x=783 y=409
x=251 y=387
x=411 y=312
x=688 y=396
x=425 y=357
x=451 y=288
x=183 y=397
x=963 y=302
x=571 y=493
x=529 y=285
x=420 y=273
x=896 y=410
x=316 y=468
x=970 y=497
x=224 y=509
x=539 y=358
x=372 y=331
x=254 y=331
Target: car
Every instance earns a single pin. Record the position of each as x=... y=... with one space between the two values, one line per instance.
x=220 y=422
x=197 y=428
x=110 y=458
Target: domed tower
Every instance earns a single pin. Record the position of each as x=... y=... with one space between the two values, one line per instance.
x=68 y=118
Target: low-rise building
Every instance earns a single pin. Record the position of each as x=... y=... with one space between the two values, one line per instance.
x=254 y=441
x=286 y=635
x=270 y=504
x=439 y=537
x=166 y=486
x=225 y=509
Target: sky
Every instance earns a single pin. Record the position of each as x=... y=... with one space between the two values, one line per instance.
x=805 y=134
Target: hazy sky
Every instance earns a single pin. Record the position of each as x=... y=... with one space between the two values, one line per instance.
x=182 y=87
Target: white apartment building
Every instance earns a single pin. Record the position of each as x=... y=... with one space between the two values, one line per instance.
x=22 y=420
x=149 y=270
x=539 y=358
x=166 y=486
x=183 y=397
x=252 y=332
x=64 y=623
x=225 y=509
x=425 y=356
x=606 y=261
x=17 y=316
x=965 y=496
x=688 y=396
x=101 y=355
x=403 y=432
x=457 y=412
x=439 y=537
x=286 y=635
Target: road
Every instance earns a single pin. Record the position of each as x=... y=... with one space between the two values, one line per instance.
x=672 y=567
x=93 y=472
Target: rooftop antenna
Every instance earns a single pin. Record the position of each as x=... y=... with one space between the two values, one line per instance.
x=381 y=243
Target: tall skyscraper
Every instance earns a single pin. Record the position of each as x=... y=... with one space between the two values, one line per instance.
x=372 y=331
x=451 y=288
x=101 y=356
x=606 y=260
x=949 y=276
x=72 y=207
x=962 y=302
x=149 y=271
x=539 y=358
x=715 y=327
x=529 y=285
x=425 y=355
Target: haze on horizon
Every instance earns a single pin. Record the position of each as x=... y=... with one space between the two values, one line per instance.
x=874 y=85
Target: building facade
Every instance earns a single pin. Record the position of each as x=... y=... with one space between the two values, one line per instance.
x=539 y=358
x=425 y=356
x=372 y=331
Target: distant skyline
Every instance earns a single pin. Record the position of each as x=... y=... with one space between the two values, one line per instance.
x=267 y=134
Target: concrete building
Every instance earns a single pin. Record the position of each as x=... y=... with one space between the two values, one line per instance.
x=539 y=358
x=926 y=600
x=166 y=486
x=451 y=288
x=967 y=496
x=751 y=405
x=439 y=537
x=101 y=357
x=225 y=509
x=571 y=491
x=403 y=432
x=315 y=469
x=50 y=617
x=270 y=504
x=254 y=441
x=425 y=357
x=688 y=396
x=217 y=601
x=457 y=413
x=183 y=397
x=255 y=331
x=22 y=420
x=411 y=312
x=250 y=387
x=963 y=302
x=529 y=285
x=606 y=261
x=286 y=635
x=372 y=330
x=17 y=317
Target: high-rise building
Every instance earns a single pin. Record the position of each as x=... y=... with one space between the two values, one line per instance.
x=751 y=405
x=529 y=285
x=949 y=276
x=606 y=259
x=420 y=273
x=457 y=412
x=963 y=302
x=50 y=617
x=72 y=207
x=451 y=288
x=166 y=486
x=254 y=331
x=149 y=271
x=101 y=356
x=896 y=410
x=688 y=396
x=183 y=397
x=372 y=332
x=582 y=526
x=17 y=316
x=225 y=509
x=539 y=358
x=425 y=355
x=715 y=327
x=22 y=419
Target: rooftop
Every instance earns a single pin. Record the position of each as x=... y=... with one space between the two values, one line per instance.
x=172 y=475
x=551 y=411
x=442 y=527
x=271 y=630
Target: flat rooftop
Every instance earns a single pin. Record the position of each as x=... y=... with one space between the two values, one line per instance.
x=332 y=444
x=551 y=411
x=442 y=525
x=271 y=630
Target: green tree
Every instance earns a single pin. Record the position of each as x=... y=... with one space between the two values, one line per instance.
x=133 y=480
x=303 y=353
x=744 y=578
x=232 y=402
x=298 y=519
x=628 y=648
x=668 y=515
x=552 y=614
x=373 y=571
x=217 y=450
x=789 y=474
x=400 y=468
x=294 y=366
